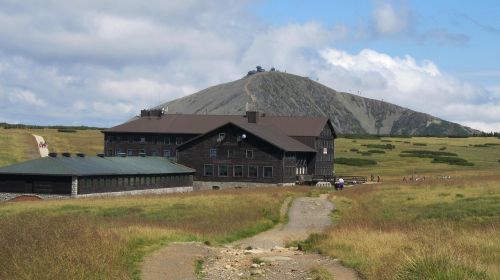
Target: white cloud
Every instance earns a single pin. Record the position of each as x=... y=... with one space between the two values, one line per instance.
x=389 y=21
x=96 y=63
x=404 y=81
x=28 y=97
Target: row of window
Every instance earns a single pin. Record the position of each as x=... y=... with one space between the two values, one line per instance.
x=145 y=139
x=134 y=152
x=230 y=153
x=131 y=181
x=251 y=171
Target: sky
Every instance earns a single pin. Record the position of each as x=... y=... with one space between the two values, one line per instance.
x=98 y=63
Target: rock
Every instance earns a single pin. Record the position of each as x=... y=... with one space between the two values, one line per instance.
x=255 y=272
x=255 y=265
x=275 y=258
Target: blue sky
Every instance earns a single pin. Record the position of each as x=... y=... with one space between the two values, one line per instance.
x=98 y=63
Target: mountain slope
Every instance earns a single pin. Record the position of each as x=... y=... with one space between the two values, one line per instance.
x=277 y=93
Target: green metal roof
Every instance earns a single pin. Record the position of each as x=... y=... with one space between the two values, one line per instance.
x=86 y=166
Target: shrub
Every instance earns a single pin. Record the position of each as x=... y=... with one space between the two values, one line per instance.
x=480 y=146
x=425 y=154
x=66 y=130
x=355 y=161
x=354 y=150
x=365 y=153
x=452 y=161
x=380 y=146
x=442 y=148
x=376 y=151
x=419 y=144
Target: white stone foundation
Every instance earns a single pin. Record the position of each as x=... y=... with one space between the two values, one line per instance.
x=139 y=192
x=209 y=185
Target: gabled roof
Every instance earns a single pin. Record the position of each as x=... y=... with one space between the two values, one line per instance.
x=200 y=124
x=85 y=166
x=268 y=133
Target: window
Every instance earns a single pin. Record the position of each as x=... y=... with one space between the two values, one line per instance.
x=178 y=140
x=249 y=154
x=130 y=152
x=253 y=171
x=223 y=171
x=268 y=171
x=222 y=135
x=130 y=139
x=230 y=153
x=166 y=140
x=143 y=140
x=208 y=169
x=325 y=151
x=213 y=153
x=166 y=153
x=238 y=171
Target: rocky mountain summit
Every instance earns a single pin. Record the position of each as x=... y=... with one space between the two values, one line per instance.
x=278 y=93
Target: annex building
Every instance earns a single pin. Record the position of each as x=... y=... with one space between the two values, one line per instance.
x=79 y=176
x=231 y=149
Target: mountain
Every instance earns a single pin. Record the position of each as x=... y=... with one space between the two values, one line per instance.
x=277 y=93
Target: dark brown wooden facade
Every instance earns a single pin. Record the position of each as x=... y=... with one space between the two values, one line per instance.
x=226 y=160
x=223 y=156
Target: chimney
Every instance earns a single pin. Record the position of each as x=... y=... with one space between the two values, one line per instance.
x=252 y=116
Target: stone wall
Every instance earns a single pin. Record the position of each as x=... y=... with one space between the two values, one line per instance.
x=9 y=196
x=204 y=185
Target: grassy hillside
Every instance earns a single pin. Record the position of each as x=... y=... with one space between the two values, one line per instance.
x=107 y=238
x=18 y=145
x=482 y=152
x=429 y=230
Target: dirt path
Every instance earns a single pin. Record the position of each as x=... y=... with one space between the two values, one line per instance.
x=258 y=257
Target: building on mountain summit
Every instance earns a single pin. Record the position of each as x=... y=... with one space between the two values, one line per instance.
x=231 y=150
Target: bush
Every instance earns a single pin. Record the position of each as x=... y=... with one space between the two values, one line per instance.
x=442 y=148
x=480 y=146
x=354 y=150
x=380 y=146
x=419 y=144
x=365 y=153
x=355 y=161
x=425 y=154
x=376 y=151
x=66 y=130
x=452 y=161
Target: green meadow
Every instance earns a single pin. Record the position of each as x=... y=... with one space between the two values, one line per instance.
x=446 y=227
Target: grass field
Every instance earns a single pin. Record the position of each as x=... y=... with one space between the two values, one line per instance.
x=107 y=238
x=429 y=230
x=18 y=145
x=392 y=164
x=432 y=229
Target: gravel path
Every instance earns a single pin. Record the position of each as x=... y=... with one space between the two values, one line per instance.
x=267 y=259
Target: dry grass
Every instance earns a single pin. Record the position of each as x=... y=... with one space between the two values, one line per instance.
x=107 y=238
x=63 y=247
x=427 y=231
x=17 y=145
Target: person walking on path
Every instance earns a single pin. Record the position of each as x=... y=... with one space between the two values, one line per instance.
x=341 y=183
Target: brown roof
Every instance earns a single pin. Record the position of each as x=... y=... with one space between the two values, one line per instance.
x=268 y=133
x=200 y=124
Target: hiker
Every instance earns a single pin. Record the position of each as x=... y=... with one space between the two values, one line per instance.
x=341 y=183
x=404 y=179
x=378 y=179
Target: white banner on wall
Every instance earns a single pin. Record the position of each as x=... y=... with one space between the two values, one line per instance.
x=43 y=148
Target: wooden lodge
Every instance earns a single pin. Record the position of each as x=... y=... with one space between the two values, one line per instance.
x=231 y=149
